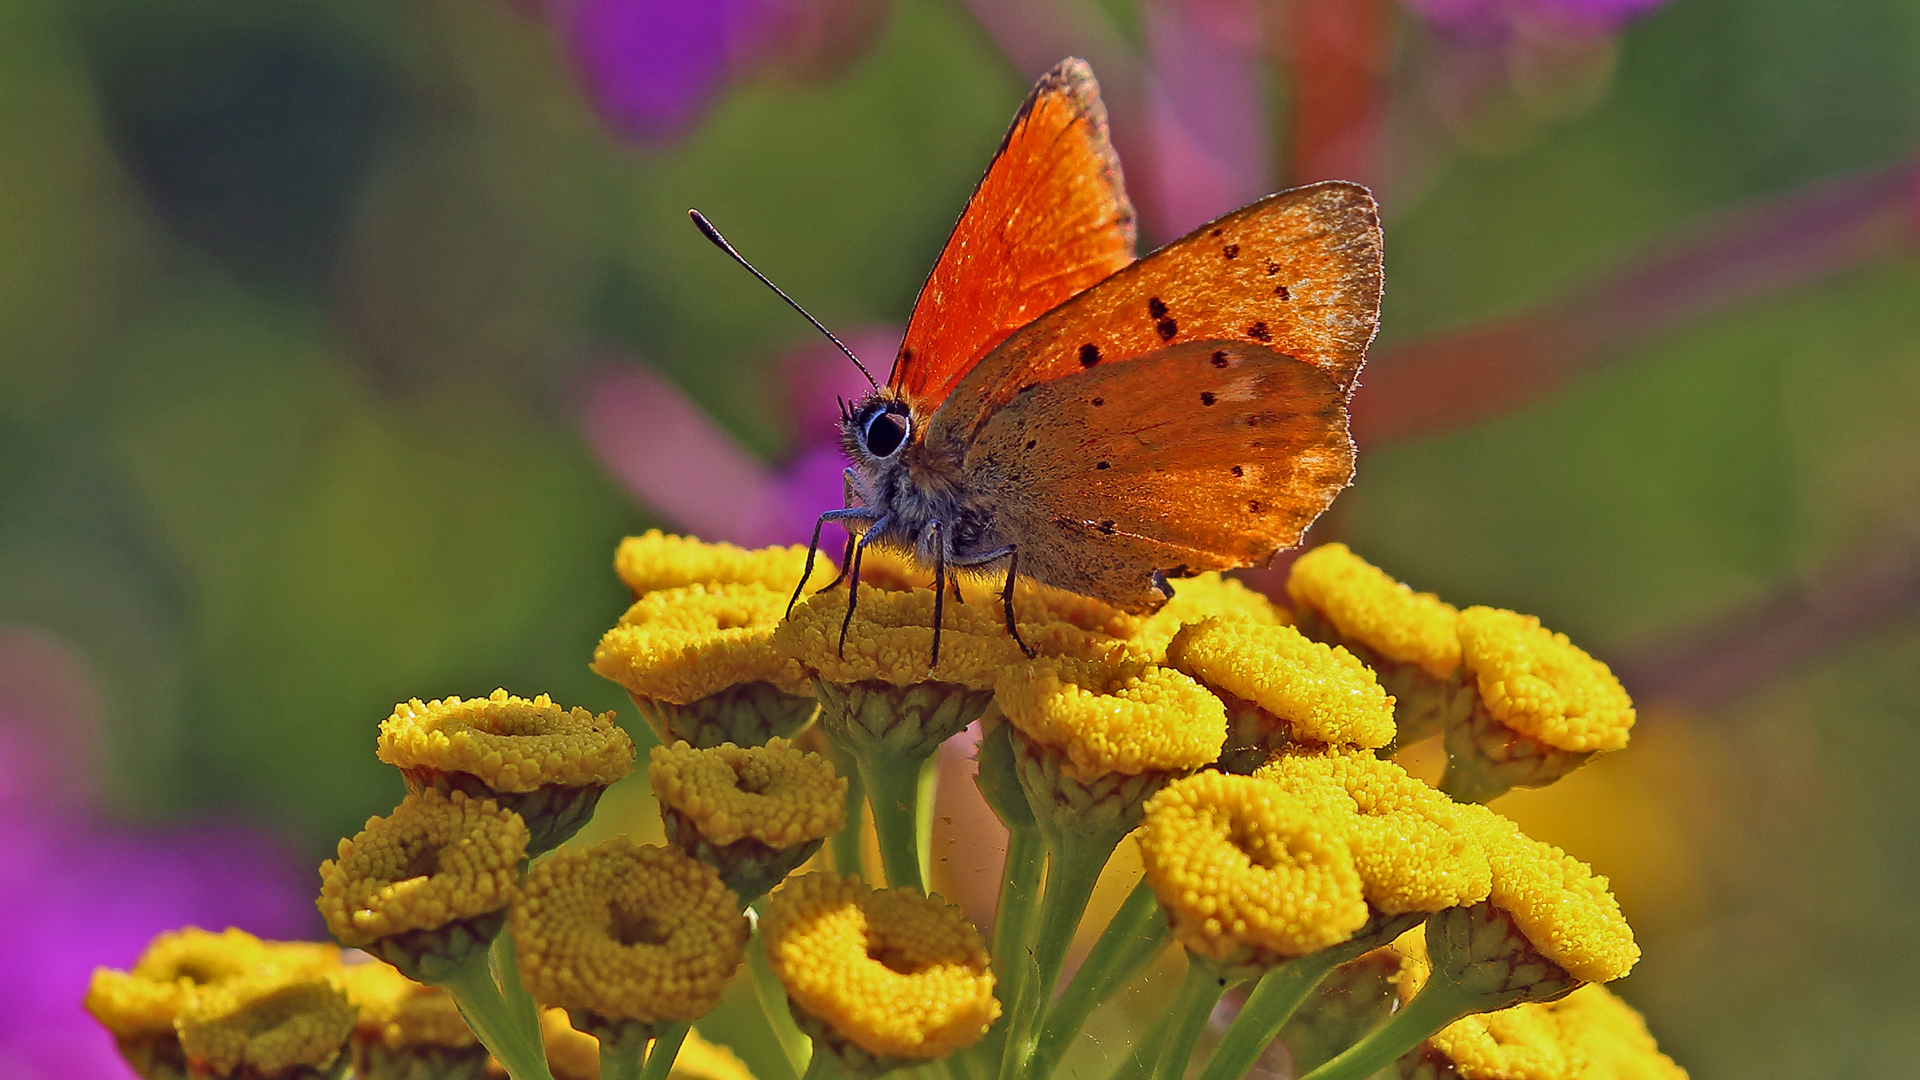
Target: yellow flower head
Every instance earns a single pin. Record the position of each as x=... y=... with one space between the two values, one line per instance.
x=776 y=794
x=1539 y=684
x=442 y=863
x=687 y=644
x=894 y=973
x=1247 y=872
x=178 y=964
x=1366 y=606
x=265 y=1027
x=628 y=932
x=1320 y=693
x=1415 y=850
x=1563 y=908
x=400 y=1015
x=1110 y=717
x=1588 y=1035
x=891 y=638
x=752 y=813
x=511 y=744
x=657 y=561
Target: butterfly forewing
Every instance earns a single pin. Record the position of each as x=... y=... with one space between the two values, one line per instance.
x=1201 y=456
x=1297 y=272
x=1049 y=219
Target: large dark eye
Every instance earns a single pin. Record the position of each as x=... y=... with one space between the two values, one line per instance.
x=884 y=433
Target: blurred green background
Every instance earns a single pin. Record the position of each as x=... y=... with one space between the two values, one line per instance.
x=296 y=301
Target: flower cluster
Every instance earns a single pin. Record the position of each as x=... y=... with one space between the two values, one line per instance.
x=1248 y=746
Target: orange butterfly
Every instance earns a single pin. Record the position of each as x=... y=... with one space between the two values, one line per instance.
x=1102 y=424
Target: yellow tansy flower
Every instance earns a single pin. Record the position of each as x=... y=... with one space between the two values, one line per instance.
x=1247 y=872
x=266 y=1027
x=700 y=663
x=545 y=763
x=427 y=886
x=1563 y=908
x=891 y=639
x=1415 y=849
x=886 y=977
x=407 y=1029
x=752 y=813
x=1612 y=1037
x=627 y=937
x=1543 y=706
x=1123 y=717
x=139 y=1006
x=1283 y=688
x=1365 y=606
x=656 y=561
x=1588 y=1035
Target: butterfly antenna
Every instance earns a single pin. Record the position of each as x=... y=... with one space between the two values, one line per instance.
x=707 y=230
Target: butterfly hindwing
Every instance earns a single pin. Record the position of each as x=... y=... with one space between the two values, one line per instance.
x=1200 y=456
x=1297 y=273
x=1049 y=219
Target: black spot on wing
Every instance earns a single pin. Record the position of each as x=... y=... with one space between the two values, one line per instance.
x=1166 y=328
x=1281 y=292
x=1231 y=251
x=1031 y=443
x=1156 y=308
x=1102 y=465
x=1239 y=470
x=1089 y=354
x=1207 y=398
x=1259 y=332
x=1107 y=527
x=1220 y=358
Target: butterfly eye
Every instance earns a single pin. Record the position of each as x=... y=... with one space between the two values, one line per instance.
x=885 y=432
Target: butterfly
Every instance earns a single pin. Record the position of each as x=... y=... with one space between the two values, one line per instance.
x=1102 y=424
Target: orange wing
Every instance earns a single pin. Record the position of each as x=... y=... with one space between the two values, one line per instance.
x=1297 y=272
x=1049 y=218
x=1201 y=456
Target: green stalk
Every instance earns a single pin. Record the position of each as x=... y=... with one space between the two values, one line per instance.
x=622 y=1062
x=767 y=989
x=1013 y=926
x=893 y=790
x=1272 y=1003
x=506 y=974
x=1199 y=992
x=846 y=844
x=666 y=1047
x=493 y=1022
x=1145 y=1057
x=1133 y=938
x=1434 y=1007
x=1074 y=863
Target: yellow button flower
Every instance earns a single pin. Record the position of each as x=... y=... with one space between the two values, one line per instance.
x=621 y=934
x=1123 y=717
x=1248 y=872
x=265 y=1027
x=891 y=638
x=752 y=813
x=1415 y=850
x=656 y=561
x=1367 y=607
x=1588 y=1035
x=407 y=1028
x=1543 y=707
x=545 y=763
x=1565 y=910
x=139 y=1006
x=882 y=975
x=427 y=886
x=1300 y=690
x=700 y=662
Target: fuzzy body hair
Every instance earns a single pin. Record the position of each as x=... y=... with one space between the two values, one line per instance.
x=910 y=491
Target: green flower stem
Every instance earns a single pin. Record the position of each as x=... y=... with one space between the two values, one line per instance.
x=893 y=790
x=772 y=996
x=1074 y=862
x=622 y=1061
x=666 y=1047
x=824 y=1067
x=1272 y=1003
x=506 y=974
x=493 y=1022
x=846 y=845
x=1013 y=927
x=929 y=787
x=1437 y=1004
x=1193 y=1002
x=1134 y=937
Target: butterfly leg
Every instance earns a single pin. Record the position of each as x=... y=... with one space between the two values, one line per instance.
x=936 y=539
x=851 y=513
x=1012 y=555
x=853 y=580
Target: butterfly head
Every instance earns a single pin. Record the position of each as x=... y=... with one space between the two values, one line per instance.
x=877 y=428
